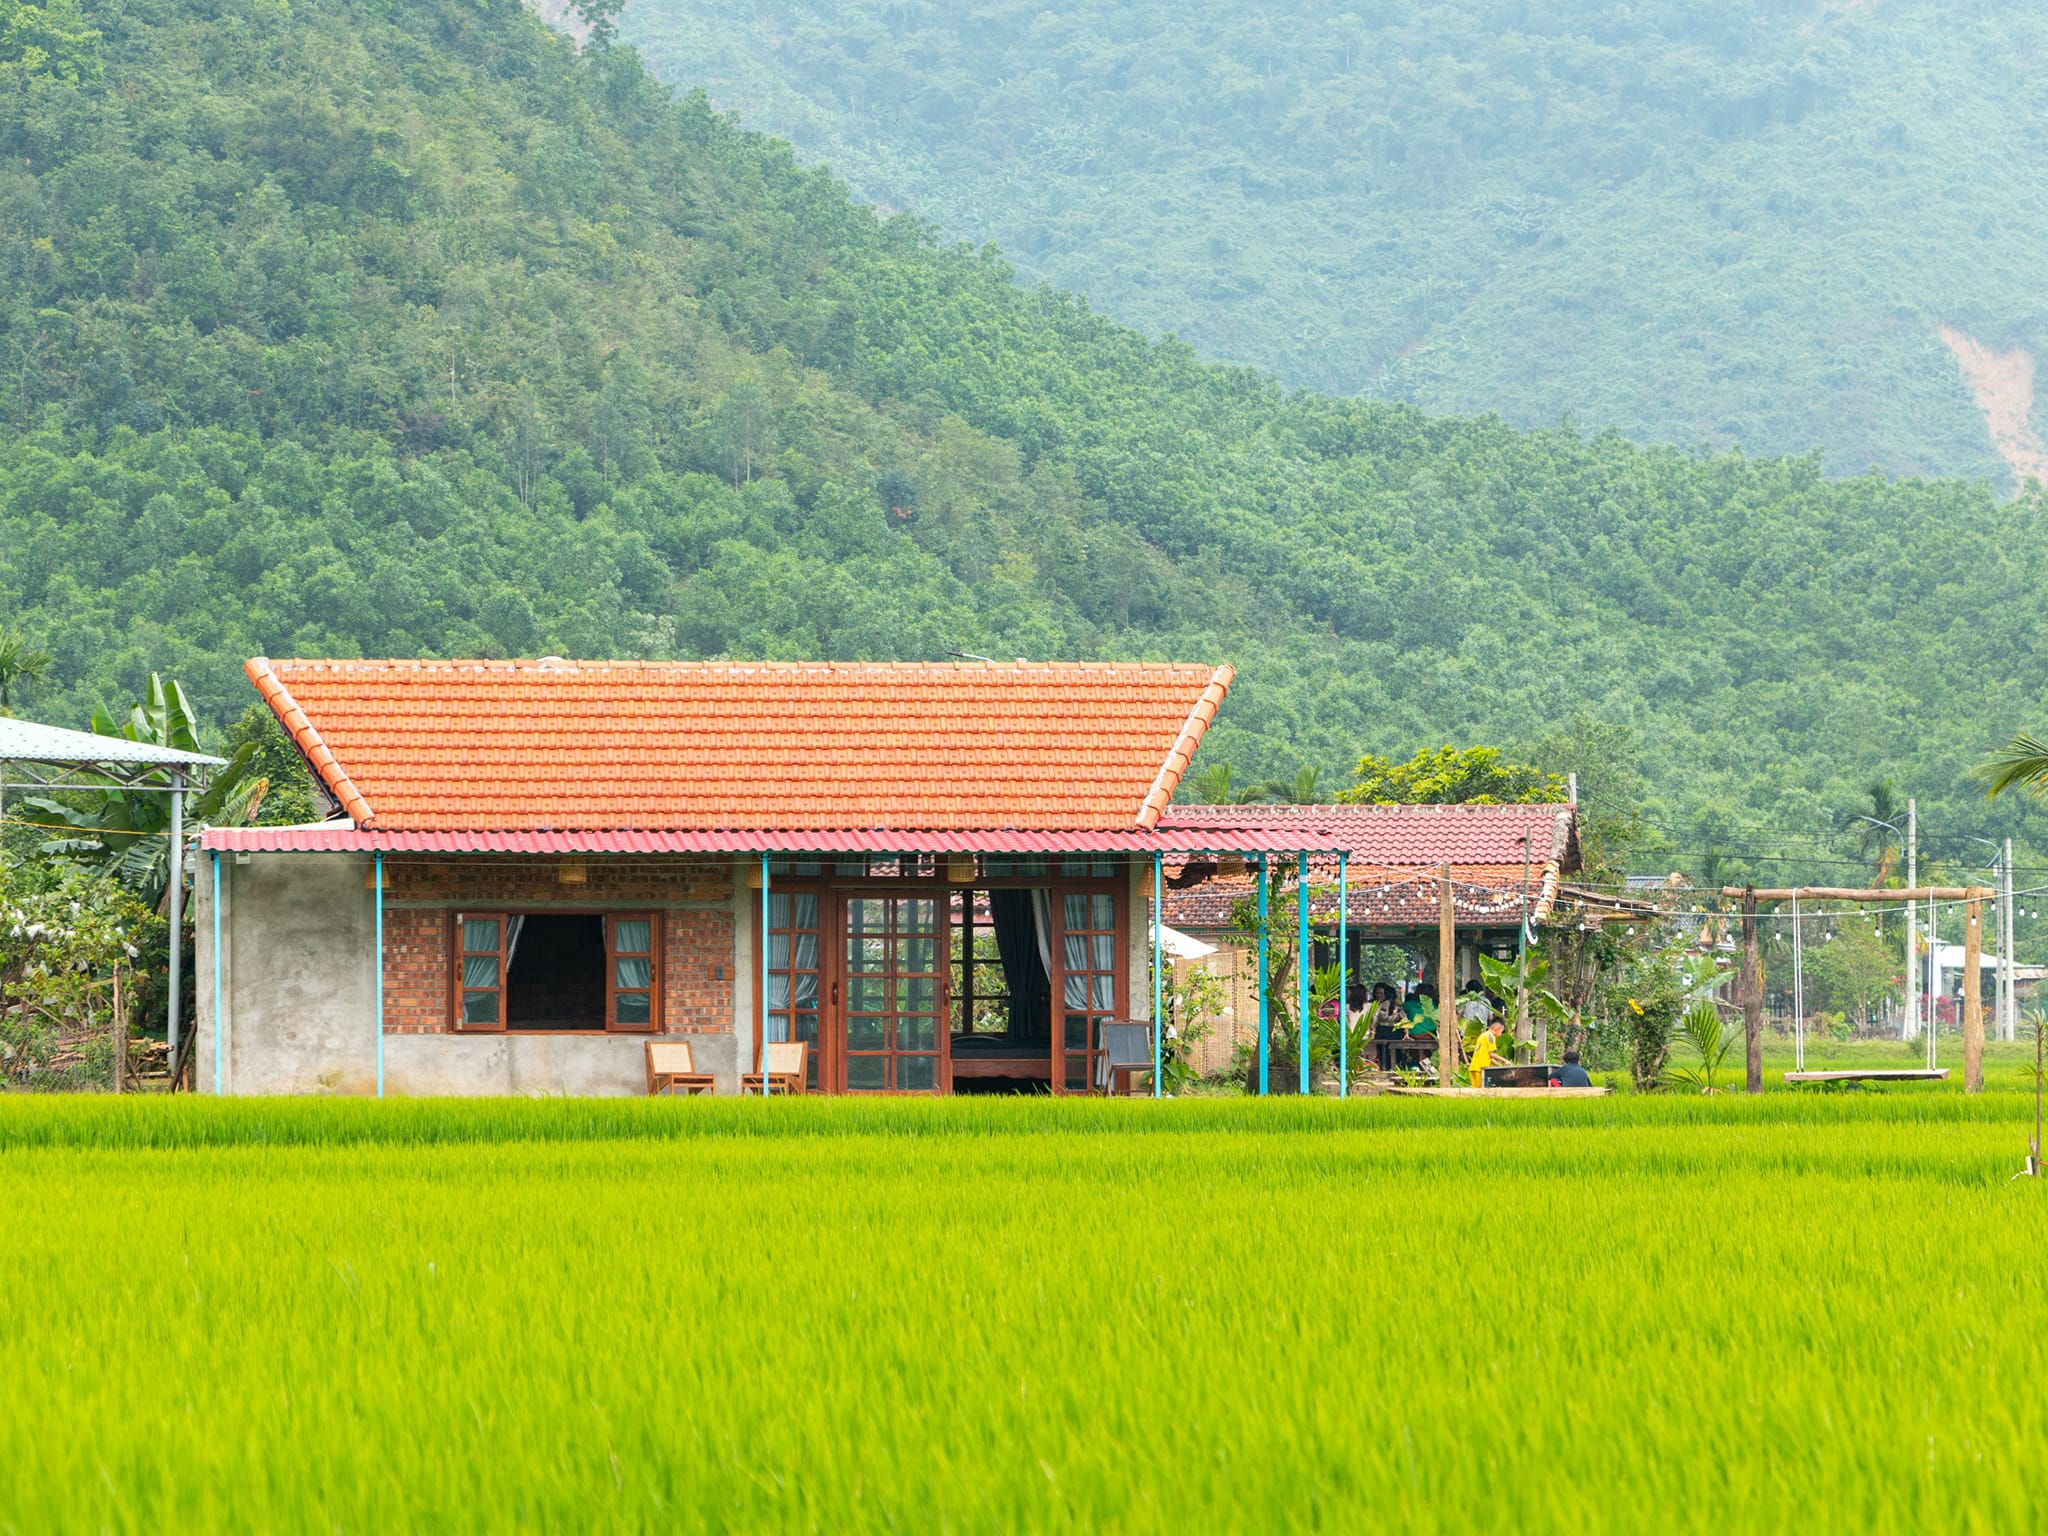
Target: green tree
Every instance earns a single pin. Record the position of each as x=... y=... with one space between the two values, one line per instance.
x=22 y=666
x=51 y=38
x=281 y=786
x=1452 y=776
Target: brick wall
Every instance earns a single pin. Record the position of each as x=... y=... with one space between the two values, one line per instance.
x=422 y=896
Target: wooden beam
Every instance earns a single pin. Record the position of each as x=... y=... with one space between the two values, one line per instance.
x=1752 y=993
x=1447 y=1040
x=1852 y=893
x=1973 y=1001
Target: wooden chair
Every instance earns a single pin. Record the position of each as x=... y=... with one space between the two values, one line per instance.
x=1126 y=1048
x=670 y=1067
x=785 y=1069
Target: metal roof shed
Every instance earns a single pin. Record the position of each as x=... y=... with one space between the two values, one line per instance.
x=85 y=760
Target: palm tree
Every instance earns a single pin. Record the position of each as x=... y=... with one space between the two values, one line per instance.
x=2021 y=763
x=1303 y=789
x=1212 y=785
x=21 y=667
x=1879 y=838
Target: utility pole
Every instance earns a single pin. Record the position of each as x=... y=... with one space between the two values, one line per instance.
x=1912 y=1026
x=2008 y=997
x=1752 y=988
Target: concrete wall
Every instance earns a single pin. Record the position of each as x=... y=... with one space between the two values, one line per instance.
x=298 y=974
x=577 y=1065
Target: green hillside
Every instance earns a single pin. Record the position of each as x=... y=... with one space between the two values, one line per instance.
x=1736 y=224
x=392 y=326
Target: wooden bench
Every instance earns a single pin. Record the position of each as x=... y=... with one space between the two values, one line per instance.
x=785 y=1069
x=670 y=1068
x=1872 y=1075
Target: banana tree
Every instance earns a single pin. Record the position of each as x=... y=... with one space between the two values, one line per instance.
x=124 y=831
x=1526 y=982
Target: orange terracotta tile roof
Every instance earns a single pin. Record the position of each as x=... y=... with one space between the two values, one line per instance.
x=526 y=745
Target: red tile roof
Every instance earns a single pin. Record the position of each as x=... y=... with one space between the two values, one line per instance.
x=693 y=746
x=1396 y=854
x=1385 y=897
x=1423 y=835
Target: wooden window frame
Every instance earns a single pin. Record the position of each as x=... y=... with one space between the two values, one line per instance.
x=611 y=973
x=458 y=950
x=503 y=916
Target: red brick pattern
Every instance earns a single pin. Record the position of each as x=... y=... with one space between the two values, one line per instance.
x=708 y=746
x=417 y=986
x=697 y=941
x=607 y=882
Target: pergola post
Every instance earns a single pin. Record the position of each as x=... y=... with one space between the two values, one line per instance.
x=380 y=971
x=1158 y=950
x=1447 y=1041
x=1302 y=965
x=177 y=915
x=1265 y=1010
x=219 y=1030
x=1973 y=1001
x=1343 y=975
x=1752 y=998
x=763 y=1062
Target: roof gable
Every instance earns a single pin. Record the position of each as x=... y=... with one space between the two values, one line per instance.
x=678 y=746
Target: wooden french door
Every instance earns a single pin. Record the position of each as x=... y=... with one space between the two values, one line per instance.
x=891 y=1032
x=1090 y=939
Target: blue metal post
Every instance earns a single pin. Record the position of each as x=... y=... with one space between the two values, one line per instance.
x=1265 y=1011
x=1343 y=976
x=380 y=972
x=1302 y=963
x=219 y=1040
x=763 y=1062
x=1158 y=951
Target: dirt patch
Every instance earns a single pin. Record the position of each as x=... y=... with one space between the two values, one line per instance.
x=557 y=13
x=2004 y=385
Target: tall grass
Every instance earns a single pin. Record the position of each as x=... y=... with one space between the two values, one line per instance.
x=1622 y=1314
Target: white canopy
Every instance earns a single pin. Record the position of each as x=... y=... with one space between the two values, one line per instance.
x=50 y=746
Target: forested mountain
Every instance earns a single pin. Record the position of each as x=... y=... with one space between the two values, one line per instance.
x=393 y=326
x=1754 y=223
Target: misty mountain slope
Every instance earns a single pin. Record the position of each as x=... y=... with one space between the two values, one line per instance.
x=373 y=327
x=1738 y=224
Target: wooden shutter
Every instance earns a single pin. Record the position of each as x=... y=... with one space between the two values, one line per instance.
x=479 y=970
x=632 y=962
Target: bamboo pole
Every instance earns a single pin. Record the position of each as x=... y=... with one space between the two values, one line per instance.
x=1446 y=983
x=1973 y=1001
x=1855 y=893
x=1752 y=997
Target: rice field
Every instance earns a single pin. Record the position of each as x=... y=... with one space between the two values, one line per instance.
x=1795 y=1312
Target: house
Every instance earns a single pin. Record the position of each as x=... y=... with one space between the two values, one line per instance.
x=1506 y=863
x=936 y=875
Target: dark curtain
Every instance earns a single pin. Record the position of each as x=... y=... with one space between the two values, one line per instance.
x=1023 y=972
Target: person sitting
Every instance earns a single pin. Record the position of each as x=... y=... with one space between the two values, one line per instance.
x=1474 y=1005
x=1570 y=1074
x=1485 y=1052
x=1421 y=1012
x=1383 y=1015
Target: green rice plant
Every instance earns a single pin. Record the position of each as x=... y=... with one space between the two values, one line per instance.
x=817 y=1314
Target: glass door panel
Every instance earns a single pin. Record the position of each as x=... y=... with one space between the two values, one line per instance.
x=793 y=974
x=893 y=994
